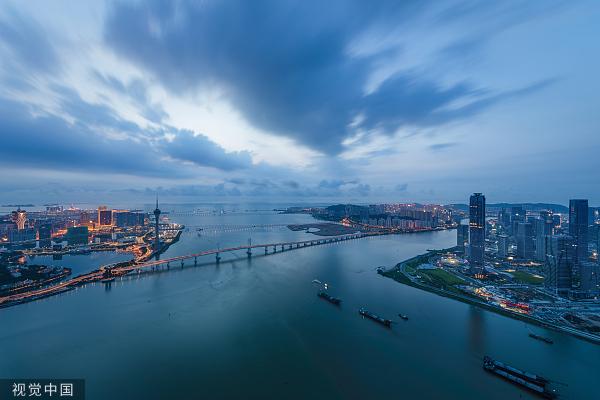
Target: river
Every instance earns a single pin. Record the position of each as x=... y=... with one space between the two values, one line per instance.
x=256 y=329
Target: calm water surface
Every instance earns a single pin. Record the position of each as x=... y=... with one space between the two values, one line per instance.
x=256 y=329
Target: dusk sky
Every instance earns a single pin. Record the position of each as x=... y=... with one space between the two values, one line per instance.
x=302 y=101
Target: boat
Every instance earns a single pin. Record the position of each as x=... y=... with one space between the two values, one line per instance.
x=375 y=317
x=316 y=281
x=331 y=299
x=532 y=382
x=404 y=317
x=543 y=339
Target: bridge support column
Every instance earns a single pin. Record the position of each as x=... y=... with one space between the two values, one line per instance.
x=195 y=260
x=181 y=263
x=168 y=265
x=282 y=247
x=218 y=258
x=274 y=249
x=266 y=250
x=249 y=252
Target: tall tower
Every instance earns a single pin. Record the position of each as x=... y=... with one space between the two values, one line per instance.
x=20 y=217
x=477 y=232
x=578 y=227
x=156 y=227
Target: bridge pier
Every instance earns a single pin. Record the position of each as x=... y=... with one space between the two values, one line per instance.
x=195 y=260
x=218 y=258
x=274 y=249
x=181 y=263
x=266 y=250
x=282 y=249
x=249 y=252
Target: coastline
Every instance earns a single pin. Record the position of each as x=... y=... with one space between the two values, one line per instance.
x=403 y=279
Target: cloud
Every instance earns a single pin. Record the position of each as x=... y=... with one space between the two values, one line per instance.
x=296 y=79
x=27 y=42
x=442 y=146
x=200 y=150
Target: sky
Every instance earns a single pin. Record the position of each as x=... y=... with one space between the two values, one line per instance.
x=299 y=101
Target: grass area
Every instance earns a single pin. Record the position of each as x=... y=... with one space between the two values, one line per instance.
x=525 y=277
x=440 y=277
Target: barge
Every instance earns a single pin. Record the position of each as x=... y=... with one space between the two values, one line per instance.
x=375 y=317
x=333 y=300
x=527 y=380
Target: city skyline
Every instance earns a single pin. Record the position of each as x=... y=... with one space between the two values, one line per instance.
x=398 y=103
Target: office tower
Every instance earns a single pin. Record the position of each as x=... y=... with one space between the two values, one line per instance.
x=45 y=235
x=104 y=216
x=477 y=232
x=503 y=241
x=517 y=214
x=462 y=236
x=525 y=240
x=156 y=226
x=556 y=221
x=559 y=264
x=77 y=235
x=589 y=279
x=504 y=220
x=544 y=227
x=578 y=227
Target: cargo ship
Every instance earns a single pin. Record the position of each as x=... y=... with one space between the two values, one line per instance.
x=543 y=339
x=333 y=300
x=374 y=317
x=532 y=382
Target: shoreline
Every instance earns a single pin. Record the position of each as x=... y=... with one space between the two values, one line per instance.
x=472 y=301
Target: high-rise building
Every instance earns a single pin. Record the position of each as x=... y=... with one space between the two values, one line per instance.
x=504 y=220
x=477 y=233
x=544 y=227
x=525 y=240
x=77 y=235
x=156 y=226
x=589 y=279
x=559 y=264
x=104 y=216
x=503 y=241
x=462 y=236
x=19 y=217
x=578 y=228
x=517 y=215
x=45 y=235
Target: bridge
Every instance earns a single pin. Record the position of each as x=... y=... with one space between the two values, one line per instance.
x=112 y=270
x=268 y=248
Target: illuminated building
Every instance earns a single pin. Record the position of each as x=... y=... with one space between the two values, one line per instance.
x=525 y=240
x=517 y=215
x=589 y=279
x=462 y=236
x=156 y=226
x=20 y=218
x=503 y=241
x=104 y=216
x=578 y=228
x=544 y=228
x=559 y=264
x=477 y=233
x=45 y=235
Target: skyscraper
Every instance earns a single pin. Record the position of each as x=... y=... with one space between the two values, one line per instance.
x=19 y=218
x=559 y=264
x=462 y=236
x=503 y=246
x=156 y=227
x=477 y=232
x=578 y=227
x=525 y=240
x=544 y=227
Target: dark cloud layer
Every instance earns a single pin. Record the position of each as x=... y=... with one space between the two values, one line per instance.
x=285 y=65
